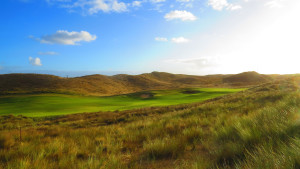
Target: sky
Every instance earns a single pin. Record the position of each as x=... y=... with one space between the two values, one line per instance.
x=199 y=37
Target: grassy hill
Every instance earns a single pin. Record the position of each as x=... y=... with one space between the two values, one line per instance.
x=100 y=85
x=247 y=78
x=255 y=128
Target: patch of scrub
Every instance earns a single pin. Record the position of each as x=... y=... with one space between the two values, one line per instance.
x=191 y=91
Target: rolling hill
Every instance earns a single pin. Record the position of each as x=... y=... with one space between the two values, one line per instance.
x=101 y=85
x=247 y=78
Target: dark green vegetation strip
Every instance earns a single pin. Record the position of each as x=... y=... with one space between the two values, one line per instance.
x=54 y=104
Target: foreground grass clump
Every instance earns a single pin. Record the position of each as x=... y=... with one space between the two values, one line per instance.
x=271 y=127
x=6 y=141
x=165 y=148
x=256 y=128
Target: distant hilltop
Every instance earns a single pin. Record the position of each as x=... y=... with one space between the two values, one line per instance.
x=101 y=85
x=247 y=77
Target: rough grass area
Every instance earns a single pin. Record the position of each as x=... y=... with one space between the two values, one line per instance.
x=54 y=104
x=256 y=128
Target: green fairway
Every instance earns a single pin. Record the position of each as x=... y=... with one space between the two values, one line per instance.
x=55 y=104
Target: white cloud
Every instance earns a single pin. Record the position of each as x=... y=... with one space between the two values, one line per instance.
x=233 y=7
x=186 y=3
x=180 y=40
x=67 y=38
x=92 y=6
x=189 y=65
x=182 y=15
x=53 y=1
x=199 y=62
x=35 y=61
x=173 y=40
x=223 y=4
x=48 y=53
x=189 y=5
x=119 y=6
x=274 y=4
x=106 y=6
x=183 y=0
x=161 y=39
x=157 y=1
x=158 y=7
x=137 y=3
x=218 y=4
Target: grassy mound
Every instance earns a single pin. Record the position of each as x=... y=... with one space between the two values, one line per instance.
x=249 y=78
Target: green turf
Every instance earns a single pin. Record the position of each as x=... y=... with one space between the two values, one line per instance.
x=55 y=104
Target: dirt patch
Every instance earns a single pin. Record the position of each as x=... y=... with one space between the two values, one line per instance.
x=142 y=95
x=146 y=95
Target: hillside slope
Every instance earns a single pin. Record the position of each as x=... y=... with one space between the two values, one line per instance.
x=255 y=128
x=247 y=78
x=101 y=85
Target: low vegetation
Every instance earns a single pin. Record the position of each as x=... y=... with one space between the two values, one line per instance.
x=254 y=128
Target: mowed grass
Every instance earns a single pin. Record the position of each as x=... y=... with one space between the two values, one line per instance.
x=58 y=104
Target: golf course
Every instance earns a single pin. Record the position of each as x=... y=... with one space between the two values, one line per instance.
x=39 y=105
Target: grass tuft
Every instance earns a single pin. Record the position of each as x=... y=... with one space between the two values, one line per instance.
x=162 y=148
x=6 y=141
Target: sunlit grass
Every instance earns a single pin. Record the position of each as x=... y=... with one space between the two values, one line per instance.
x=54 y=104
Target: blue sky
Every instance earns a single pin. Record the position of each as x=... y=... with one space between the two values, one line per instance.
x=78 y=37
